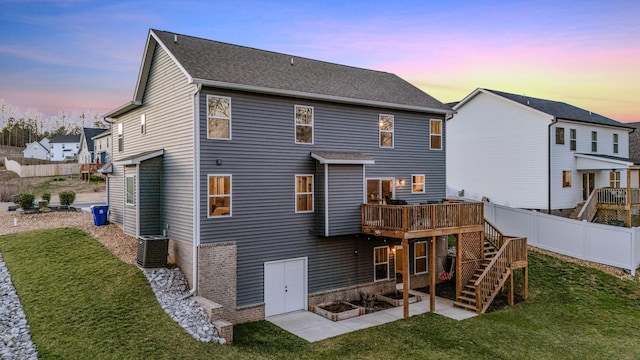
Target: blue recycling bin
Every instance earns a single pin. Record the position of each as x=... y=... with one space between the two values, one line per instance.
x=99 y=214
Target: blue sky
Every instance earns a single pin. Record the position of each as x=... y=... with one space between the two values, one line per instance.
x=85 y=55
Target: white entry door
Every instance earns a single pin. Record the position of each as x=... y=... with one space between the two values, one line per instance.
x=285 y=286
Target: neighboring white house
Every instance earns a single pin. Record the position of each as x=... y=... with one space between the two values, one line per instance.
x=37 y=150
x=102 y=146
x=86 y=154
x=532 y=153
x=64 y=147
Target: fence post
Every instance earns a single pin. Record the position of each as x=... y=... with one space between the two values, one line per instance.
x=634 y=261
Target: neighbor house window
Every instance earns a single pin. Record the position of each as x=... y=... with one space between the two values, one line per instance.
x=304 y=124
x=435 y=139
x=615 y=143
x=304 y=193
x=614 y=179
x=566 y=179
x=120 y=137
x=417 y=184
x=385 y=125
x=572 y=139
x=131 y=189
x=420 y=265
x=381 y=263
x=560 y=136
x=219 y=193
x=143 y=124
x=594 y=141
x=218 y=117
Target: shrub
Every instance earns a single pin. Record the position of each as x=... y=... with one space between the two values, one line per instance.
x=46 y=196
x=67 y=197
x=25 y=200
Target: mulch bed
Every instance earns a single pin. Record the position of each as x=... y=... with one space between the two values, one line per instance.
x=377 y=306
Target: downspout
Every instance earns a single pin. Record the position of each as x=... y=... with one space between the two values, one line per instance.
x=196 y=192
x=553 y=122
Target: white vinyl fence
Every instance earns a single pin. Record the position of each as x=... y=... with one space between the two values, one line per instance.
x=42 y=170
x=604 y=244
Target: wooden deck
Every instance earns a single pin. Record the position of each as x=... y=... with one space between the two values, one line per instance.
x=419 y=221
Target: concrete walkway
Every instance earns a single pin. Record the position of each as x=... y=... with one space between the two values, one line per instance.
x=313 y=327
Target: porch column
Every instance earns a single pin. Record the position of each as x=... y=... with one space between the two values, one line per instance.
x=432 y=275
x=629 y=197
x=405 y=276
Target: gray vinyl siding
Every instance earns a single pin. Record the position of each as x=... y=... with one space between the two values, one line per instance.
x=168 y=105
x=115 y=195
x=320 y=200
x=345 y=197
x=131 y=211
x=150 y=203
x=263 y=159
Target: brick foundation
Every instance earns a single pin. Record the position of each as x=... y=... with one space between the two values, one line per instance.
x=217 y=276
x=181 y=254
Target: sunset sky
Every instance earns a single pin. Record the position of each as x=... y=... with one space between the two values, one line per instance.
x=81 y=55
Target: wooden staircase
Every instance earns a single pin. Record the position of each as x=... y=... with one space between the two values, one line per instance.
x=501 y=254
x=576 y=211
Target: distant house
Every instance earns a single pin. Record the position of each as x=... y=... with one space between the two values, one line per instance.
x=102 y=146
x=634 y=141
x=533 y=153
x=86 y=154
x=37 y=150
x=64 y=147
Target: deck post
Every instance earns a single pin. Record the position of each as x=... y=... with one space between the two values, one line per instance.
x=432 y=275
x=405 y=276
x=628 y=197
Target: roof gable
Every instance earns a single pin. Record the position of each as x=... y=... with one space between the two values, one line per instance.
x=219 y=64
x=557 y=109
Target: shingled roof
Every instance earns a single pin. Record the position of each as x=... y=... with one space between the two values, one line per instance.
x=224 y=65
x=560 y=110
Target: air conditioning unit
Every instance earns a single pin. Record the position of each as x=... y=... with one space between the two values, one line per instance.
x=152 y=251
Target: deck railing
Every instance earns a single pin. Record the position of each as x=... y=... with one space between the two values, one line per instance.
x=512 y=254
x=414 y=218
x=617 y=196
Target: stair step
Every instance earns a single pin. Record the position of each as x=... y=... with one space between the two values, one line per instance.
x=468 y=292
x=466 y=306
x=469 y=299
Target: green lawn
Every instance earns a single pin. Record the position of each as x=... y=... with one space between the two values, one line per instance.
x=83 y=303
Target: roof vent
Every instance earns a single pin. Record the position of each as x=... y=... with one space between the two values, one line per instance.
x=291 y=61
x=527 y=102
x=175 y=38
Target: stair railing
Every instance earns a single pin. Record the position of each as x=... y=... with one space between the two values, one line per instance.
x=589 y=209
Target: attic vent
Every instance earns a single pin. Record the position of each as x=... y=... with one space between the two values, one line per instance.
x=175 y=38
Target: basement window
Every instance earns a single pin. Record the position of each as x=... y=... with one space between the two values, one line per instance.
x=381 y=263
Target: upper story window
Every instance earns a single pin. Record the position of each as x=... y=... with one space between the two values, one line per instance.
x=304 y=124
x=435 y=140
x=381 y=263
x=594 y=141
x=219 y=194
x=614 y=179
x=420 y=252
x=120 y=137
x=566 y=178
x=304 y=193
x=385 y=125
x=615 y=143
x=143 y=124
x=560 y=136
x=218 y=117
x=572 y=139
x=417 y=184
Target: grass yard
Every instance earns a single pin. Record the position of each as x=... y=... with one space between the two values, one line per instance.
x=83 y=303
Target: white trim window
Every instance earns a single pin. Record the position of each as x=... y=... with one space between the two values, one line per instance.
x=143 y=124
x=421 y=263
x=130 y=190
x=559 y=136
x=380 y=263
x=219 y=195
x=417 y=184
x=120 y=137
x=385 y=127
x=615 y=143
x=566 y=178
x=304 y=193
x=594 y=141
x=304 y=124
x=435 y=134
x=572 y=139
x=614 y=179
x=218 y=117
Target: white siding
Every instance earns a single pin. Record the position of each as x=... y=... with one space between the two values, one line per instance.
x=498 y=149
